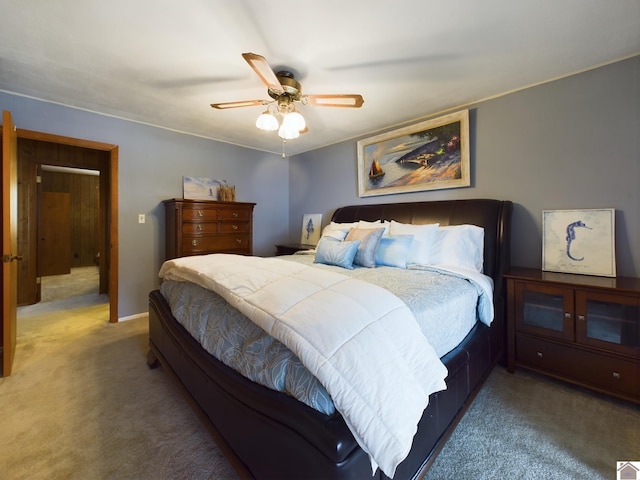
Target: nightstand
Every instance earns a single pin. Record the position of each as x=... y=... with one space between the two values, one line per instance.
x=577 y=328
x=291 y=248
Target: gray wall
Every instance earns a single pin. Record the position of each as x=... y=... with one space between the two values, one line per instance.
x=569 y=144
x=151 y=164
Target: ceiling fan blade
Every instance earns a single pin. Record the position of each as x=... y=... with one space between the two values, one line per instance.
x=329 y=100
x=264 y=71
x=242 y=103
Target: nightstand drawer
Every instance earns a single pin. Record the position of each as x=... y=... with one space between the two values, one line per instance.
x=604 y=372
x=542 y=354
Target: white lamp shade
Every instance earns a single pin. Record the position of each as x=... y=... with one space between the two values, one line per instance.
x=288 y=130
x=298 y=119
x=267 y=122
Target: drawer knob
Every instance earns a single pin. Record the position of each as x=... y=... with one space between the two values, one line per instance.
x=200 y=213
x=194 y=243
x=238 y=241
x=200 y=227
x=234 y=227
x=567 y=315
x=539 y=354
x=581 y=318
x=234 y=214
x=616 y=375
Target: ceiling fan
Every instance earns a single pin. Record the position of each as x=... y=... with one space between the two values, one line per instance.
x=285 y=90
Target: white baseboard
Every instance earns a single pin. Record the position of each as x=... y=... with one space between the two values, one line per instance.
x=133 y=317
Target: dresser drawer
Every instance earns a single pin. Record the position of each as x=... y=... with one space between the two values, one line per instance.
x=219 y=243
x=199 y=213
x=585 y=367
x=239 y=213
x=195 y=228
x=233 y=227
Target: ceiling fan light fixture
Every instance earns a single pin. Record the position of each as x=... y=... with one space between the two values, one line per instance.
x=266 y=121
x=296 y=119
x=285 y=90
x=289 y=128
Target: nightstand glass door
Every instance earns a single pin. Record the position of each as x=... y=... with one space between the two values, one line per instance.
x=545 y=310
x=608 y=321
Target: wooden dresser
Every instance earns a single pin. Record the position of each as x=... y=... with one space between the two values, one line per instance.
x=196 y=227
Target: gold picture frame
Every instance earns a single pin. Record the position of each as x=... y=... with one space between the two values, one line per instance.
x=429 y=155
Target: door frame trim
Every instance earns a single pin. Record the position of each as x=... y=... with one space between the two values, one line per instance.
x=113 y=203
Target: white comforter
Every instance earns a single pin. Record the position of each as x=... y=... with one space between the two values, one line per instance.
x=359 y=340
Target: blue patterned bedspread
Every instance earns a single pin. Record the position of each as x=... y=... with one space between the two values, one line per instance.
x=444 y=306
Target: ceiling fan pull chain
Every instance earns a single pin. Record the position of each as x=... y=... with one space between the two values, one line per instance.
x=283 y=142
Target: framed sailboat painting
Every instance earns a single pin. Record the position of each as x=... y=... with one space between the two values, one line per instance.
x=430 y=155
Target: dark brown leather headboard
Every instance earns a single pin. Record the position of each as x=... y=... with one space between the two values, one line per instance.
x=493 y=215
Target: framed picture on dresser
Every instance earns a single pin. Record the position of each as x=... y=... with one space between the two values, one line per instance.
x=199 y=188
x=579 y=241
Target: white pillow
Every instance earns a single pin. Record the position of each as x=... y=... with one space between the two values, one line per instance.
x=376 y=224
x=338 y=230
x=460 y=245
x=424 y=236
x=366 y=224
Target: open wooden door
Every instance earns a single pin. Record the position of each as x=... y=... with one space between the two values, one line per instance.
x=9 y=241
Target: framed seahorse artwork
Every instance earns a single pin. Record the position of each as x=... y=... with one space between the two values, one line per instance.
x=579 y=241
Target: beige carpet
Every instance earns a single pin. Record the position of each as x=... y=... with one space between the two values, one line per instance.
x=81 y=281
x=82 y=404
x=529 y=427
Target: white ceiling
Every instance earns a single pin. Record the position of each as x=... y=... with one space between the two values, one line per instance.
x=162 y=62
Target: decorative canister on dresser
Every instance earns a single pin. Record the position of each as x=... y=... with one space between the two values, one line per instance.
x=197 y=227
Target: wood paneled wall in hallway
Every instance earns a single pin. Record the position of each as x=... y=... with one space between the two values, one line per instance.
x=84 y=191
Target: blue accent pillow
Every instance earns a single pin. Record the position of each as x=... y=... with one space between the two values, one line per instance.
x=331 y=251
x=393 y=250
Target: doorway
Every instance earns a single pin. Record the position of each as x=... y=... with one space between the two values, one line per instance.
x=36 y=149
x=69 y=231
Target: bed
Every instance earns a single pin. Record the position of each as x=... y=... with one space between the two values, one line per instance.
x=270 y=434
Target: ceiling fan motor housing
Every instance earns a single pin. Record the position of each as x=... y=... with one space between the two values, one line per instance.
x=292 y=88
